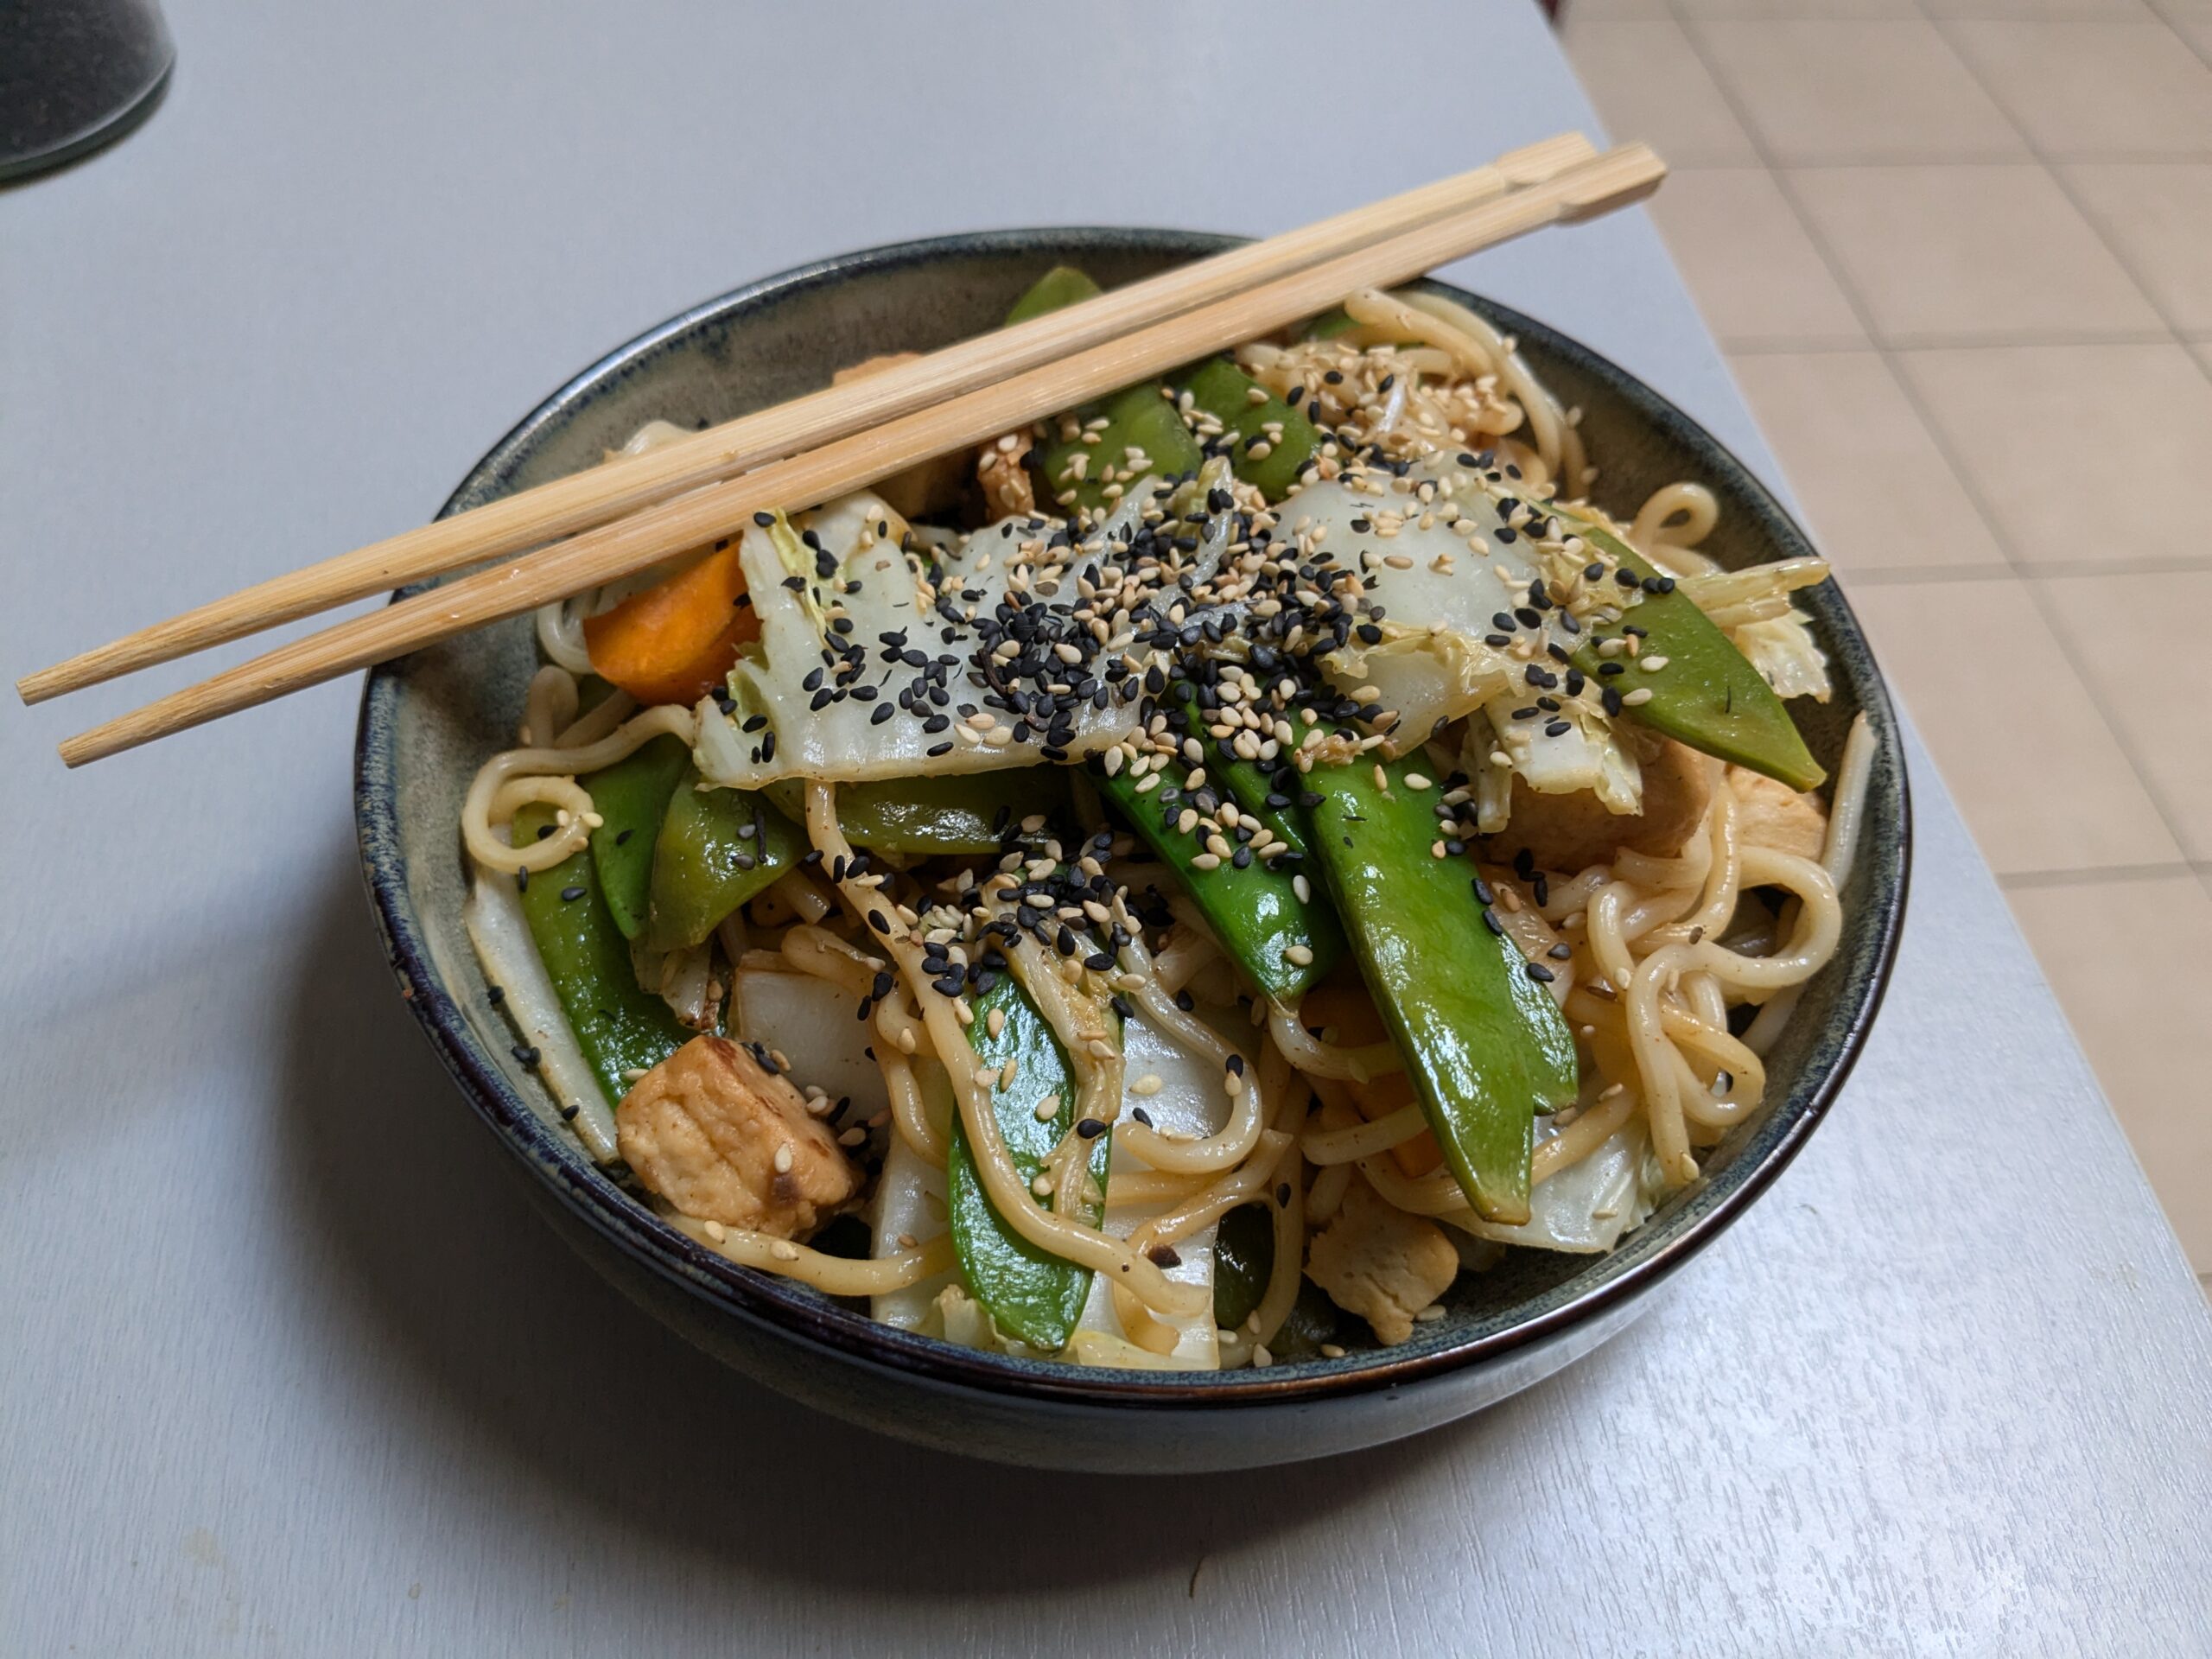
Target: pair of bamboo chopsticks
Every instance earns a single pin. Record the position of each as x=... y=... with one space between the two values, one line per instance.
x=619 y=517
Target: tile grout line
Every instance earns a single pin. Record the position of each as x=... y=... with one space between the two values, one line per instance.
x=2052 y=167
x=2169 y=818
x=2204 y=53
x=1778 y=345
x=1903 y=576
x=2097 y=875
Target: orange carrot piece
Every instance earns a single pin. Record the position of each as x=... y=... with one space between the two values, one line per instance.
x=675 y=642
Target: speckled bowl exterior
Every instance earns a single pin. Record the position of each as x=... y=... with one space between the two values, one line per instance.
x=428 y=721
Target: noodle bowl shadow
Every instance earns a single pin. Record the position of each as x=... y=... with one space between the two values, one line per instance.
x=486 y=1361
x=428 y=721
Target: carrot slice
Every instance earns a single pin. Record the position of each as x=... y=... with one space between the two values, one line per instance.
x=675 y=642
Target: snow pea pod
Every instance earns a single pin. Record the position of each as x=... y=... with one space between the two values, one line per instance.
x=1708 y=696
x=962 y=812
x=1030 y=1293
x=1270 y=463
x=1243 y=1258
x=1143 y=434
x=1139 y=418
x=1484 y=1041
x=631 y=797
x=1249 y=781
x=717 y=848
x=620 y=1027
x=1255 y=912
x=1062 y=285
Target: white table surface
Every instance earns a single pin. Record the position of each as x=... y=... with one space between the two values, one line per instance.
x=286 y=1364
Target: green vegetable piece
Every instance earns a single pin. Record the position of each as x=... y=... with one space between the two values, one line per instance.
x=1314 y=1320
x=1248 y=782
x=1029 y=1294
x=1486 y=1045
x=1255 y=912
x=962 y=812
x=1331 y=323
x=1137 y=417
x=631 y=797
x=717 y=848
x=1224 y=391
x=1062 y=285
x=1244 y=1259
x=1708 y=696
x=620 y=1027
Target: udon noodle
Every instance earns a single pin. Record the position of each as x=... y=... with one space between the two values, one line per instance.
x=1675 y=967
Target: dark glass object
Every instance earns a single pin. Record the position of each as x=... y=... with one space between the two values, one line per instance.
x=75 y=74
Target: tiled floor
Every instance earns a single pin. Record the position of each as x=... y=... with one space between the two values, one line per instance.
x=1960 y=254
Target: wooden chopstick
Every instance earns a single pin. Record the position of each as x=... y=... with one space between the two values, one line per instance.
x=600 y=494
x=588 y=559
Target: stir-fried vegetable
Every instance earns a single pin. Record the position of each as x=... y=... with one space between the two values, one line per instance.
x=717 y=848
x=1030 y=1294
x=674 y=642
x=1284 y=941
x=631 y=797
x=1483 y=1040
x=1244 y=1256
x=623 y=1029
x=1269 y=442
x=1706 y=694
x=1062 y=285
x=1136 y=431
x=924 y=817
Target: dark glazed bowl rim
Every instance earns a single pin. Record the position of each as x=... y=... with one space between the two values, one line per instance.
x=791 y=1313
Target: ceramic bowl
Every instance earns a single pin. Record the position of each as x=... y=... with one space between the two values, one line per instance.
x=428 y=721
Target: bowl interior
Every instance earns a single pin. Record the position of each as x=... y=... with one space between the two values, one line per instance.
x=431 y=719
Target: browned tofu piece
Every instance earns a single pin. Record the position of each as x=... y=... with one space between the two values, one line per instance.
x=1772 y=814
x=1007 y=492
x=1569 y=833
x=1380 y=1263
x=724 y=1139
x=927 y=486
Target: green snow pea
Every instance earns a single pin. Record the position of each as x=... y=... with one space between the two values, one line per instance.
x=1030 y=1293
x=962 y=812
x=1224 y=391
x=631 y=797
x=1255 y=912
x=1061 y=285
x=1708 y=696
x=717 y=848
x=1244 y=1259
x=1137 y=417
x=620 y=1027
x=1248 y=780
x=1484 y=1041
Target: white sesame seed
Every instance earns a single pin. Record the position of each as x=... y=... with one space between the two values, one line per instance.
x=1299 y=955
x=1147 y=1084
x=783 y=1159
